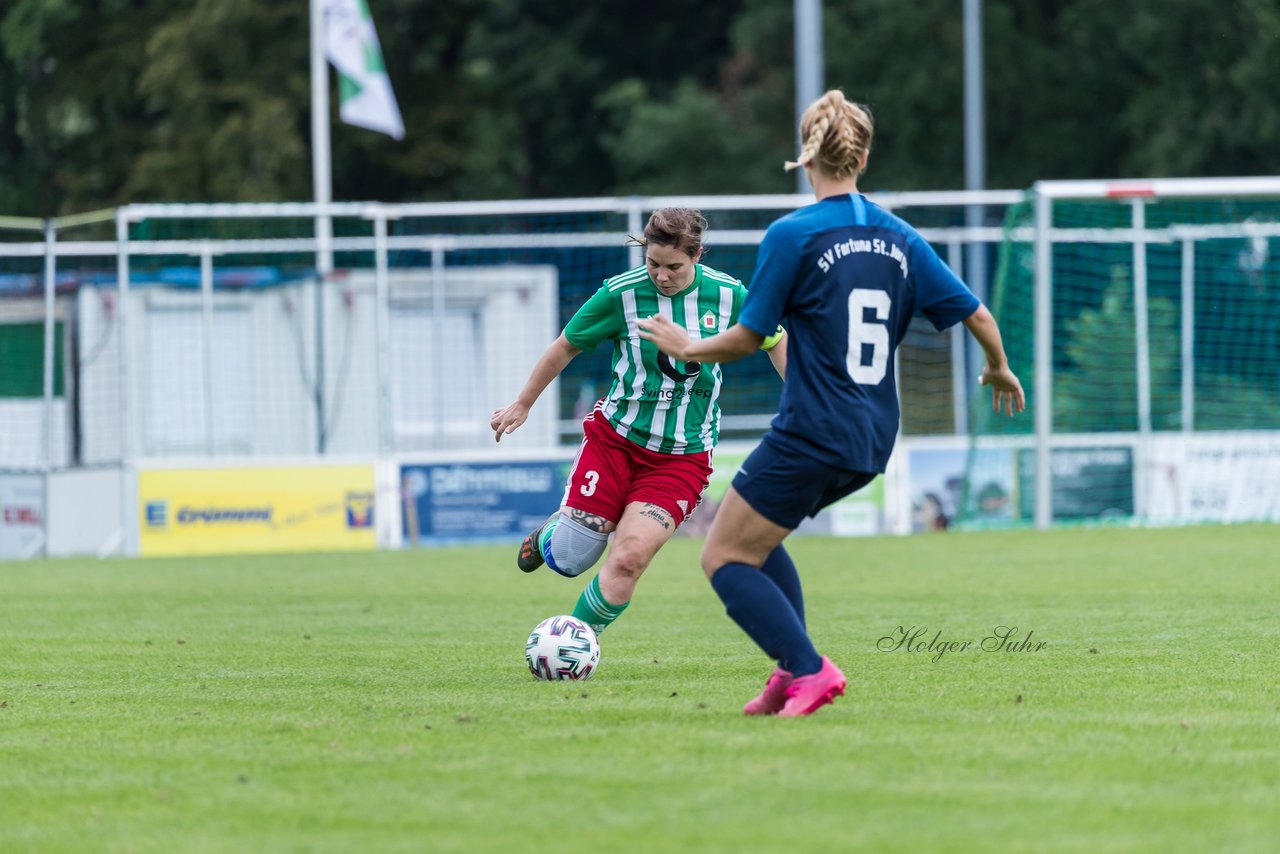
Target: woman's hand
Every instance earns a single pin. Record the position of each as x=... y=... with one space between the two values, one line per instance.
x=1006 y=391
x=671 y=339
x=507 y=419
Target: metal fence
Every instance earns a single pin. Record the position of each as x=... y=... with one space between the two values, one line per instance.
x=207 y=330
x=203 y=331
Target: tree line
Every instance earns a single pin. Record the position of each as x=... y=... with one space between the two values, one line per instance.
x=104 y=102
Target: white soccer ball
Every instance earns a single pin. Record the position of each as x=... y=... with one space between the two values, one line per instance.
x=562 y=648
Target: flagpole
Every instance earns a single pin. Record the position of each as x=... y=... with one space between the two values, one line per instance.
x=321 y=166
x=322 y=184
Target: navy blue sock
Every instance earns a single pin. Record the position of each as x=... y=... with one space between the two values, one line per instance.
x=761 y=609
x=779 y=567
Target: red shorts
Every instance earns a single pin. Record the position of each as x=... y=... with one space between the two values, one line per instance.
x=610 y=472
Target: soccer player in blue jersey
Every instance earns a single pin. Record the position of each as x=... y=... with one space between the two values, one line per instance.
x=845 y=277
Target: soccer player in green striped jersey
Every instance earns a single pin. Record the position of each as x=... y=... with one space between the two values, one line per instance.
x=645 y=457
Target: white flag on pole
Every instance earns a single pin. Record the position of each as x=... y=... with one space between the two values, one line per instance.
x=364 y=89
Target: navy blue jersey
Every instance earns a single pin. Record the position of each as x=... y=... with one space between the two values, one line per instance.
x=844 y=277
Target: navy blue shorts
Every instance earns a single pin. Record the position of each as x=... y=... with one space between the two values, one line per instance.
x=784 y=485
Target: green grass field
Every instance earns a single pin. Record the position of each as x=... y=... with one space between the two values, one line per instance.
x=379 y=702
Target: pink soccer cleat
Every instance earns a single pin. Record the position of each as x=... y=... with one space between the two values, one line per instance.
x=807 y=694
x=772 y=697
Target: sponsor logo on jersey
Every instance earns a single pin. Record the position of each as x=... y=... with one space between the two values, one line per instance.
x=679 y=391
x=692 y=369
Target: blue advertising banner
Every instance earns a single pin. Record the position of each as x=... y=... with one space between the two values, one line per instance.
x=478 y=502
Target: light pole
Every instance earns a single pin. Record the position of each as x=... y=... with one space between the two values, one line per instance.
x=808 y=65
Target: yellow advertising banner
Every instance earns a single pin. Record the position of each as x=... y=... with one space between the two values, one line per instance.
x=240 y=510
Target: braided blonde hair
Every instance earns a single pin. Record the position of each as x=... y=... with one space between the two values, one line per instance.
x=836 y=135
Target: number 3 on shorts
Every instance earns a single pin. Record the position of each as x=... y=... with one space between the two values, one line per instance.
x=862 y=333
x=589 y=487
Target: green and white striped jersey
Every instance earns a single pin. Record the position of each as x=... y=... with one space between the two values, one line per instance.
x=658 y=403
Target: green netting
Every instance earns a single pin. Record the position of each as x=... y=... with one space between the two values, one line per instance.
x=1233 y=309
x=1235 y=319
x=22 y=358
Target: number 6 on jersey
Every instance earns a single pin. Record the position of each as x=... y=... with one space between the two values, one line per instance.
x=862 y=333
